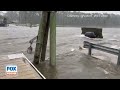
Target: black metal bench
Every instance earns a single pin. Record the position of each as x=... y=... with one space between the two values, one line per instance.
x=91 y=46
x=97 y=31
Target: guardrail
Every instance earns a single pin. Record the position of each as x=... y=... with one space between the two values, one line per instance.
x=91 y=46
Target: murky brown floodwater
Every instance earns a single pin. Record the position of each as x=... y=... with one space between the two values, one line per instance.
x=72 y=63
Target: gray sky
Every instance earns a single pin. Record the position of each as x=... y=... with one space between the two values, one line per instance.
x=114 y=12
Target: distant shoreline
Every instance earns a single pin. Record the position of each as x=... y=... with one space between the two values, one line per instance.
x=73 y=26
x=88 y=26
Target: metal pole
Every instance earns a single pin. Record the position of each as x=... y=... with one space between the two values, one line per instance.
x=34 y=67
x=90 y=47
x=118 y=62
x=53 y=38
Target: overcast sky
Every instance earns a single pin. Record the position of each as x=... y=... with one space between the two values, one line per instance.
x=114 y=12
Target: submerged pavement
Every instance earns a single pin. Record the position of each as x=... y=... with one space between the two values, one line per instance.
x=72 y=63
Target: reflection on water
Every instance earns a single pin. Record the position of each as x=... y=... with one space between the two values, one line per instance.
x=48 y=71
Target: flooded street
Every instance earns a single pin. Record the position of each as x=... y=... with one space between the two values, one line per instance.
x=72 y=62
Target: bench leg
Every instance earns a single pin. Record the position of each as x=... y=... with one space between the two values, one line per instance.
x=90 y=49
x=118 y=62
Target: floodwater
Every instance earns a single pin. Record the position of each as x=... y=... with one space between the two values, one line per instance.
x=72 y=62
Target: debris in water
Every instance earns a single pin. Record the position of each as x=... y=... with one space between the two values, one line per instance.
x=47 y=58
x=72 y=49
x=99 y=57
x=9 y=43
x=106 y=77
x=113 y=40
x=106 y=72
x=82 y=35
x=80 y=48
x=114 y=46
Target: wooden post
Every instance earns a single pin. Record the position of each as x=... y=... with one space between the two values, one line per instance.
x=90 y=47
x=118 y=62
x=53 y=38
x=43 y=52
x=40 y=37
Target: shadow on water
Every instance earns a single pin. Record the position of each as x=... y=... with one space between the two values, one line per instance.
x=50 y=72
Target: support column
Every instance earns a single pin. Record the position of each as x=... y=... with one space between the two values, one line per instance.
x=118 y=62
x=43 y=53
x=40 y=37
x=53 y=38
x=90 y=49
